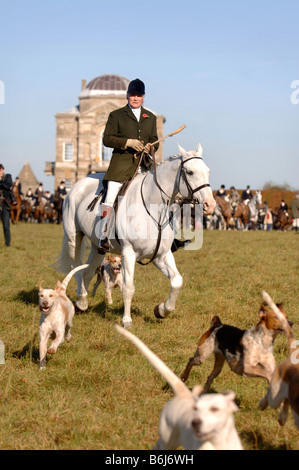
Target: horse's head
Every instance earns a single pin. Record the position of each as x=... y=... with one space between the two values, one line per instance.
x=258 y=197
x=194 y=179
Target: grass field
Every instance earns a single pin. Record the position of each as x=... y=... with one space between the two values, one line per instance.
x=98 y=392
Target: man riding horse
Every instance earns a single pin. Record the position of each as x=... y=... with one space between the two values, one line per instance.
x=130 y=131
x=234 y=198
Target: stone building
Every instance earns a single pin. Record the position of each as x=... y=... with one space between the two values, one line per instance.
x=27 y=178
x=79 y=130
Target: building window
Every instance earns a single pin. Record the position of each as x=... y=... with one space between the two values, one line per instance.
x=68 y=151
x=105 y=152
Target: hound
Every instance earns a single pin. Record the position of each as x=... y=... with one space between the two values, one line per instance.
x=191 y=420
x=249 y=353
x=110 y=273
x=284 y=386
x=57 y=312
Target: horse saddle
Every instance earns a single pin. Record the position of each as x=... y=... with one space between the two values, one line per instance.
x=103 y=193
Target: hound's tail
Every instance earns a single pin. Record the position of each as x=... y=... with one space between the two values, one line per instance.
x=176 y=384
x=284 y=323
x=67 y=279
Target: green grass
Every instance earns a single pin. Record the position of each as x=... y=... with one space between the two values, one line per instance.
x=98 y=392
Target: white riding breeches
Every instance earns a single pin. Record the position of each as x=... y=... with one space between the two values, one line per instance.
x=112 y=190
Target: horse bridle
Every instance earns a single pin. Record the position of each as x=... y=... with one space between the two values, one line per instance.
x=189 y=199
x=191 y=191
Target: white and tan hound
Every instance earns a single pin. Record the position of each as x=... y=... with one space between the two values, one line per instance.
x=110 y=273
x=249 y=353
x=192 y=420
x=57 y=312
x=284 y=385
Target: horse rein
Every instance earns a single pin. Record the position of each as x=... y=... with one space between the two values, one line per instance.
x=183 y=172
x=190 y=199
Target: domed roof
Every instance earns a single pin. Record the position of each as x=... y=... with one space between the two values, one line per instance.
x=109 y=83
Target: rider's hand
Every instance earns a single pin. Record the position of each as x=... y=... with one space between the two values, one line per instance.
x=147 y=148
x=135 y=144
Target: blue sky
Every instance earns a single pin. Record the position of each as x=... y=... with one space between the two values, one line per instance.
x=223 y=68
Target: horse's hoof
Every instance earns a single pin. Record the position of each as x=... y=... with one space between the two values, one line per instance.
x=157 y=313
x=81 y=307
x=127 y=323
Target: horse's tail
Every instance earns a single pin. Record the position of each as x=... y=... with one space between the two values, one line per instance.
x=67 y=279
x=70 y=254
x=176 y=384
x=66 y=259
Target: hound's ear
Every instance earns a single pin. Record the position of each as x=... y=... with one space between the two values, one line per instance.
x=58 y=286
x=197 y=390
x=199 y=151
x=40 y=285
x=263 y=310
x=183 y=152
x=230 y=398
x=280 y=306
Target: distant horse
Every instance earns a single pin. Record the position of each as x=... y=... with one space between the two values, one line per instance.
x=27 y=214
x=226 y=210
x=58 y=203
x=50 y=213
x=245 y=212
x=15 y=210
x=143 y=226
x=248 y=213
x=39 y=210
x=281 y=219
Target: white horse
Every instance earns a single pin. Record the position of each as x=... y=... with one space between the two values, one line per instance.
x=141 y=215
x=253 y=204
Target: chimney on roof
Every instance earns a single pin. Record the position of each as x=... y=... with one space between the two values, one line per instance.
x=83 y=84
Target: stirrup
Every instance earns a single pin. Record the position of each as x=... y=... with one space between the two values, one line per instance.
x=104 y=246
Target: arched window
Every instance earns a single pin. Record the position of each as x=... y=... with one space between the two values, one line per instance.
x=105 y=152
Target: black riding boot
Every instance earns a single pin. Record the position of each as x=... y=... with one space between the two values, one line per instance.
x=178 y=244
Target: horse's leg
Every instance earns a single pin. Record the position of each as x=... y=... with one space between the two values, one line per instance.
x=128 y=260
x=18 y=215
x=168 y=267
x=83 y=279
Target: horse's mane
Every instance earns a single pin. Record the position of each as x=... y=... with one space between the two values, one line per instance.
x=170 y=159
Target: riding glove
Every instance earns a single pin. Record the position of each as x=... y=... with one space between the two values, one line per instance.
x=135 y=144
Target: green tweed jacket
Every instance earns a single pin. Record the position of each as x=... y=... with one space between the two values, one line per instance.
x=123 y=125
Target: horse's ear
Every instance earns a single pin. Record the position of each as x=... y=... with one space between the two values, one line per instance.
x=183 y=152
x=199 y=151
